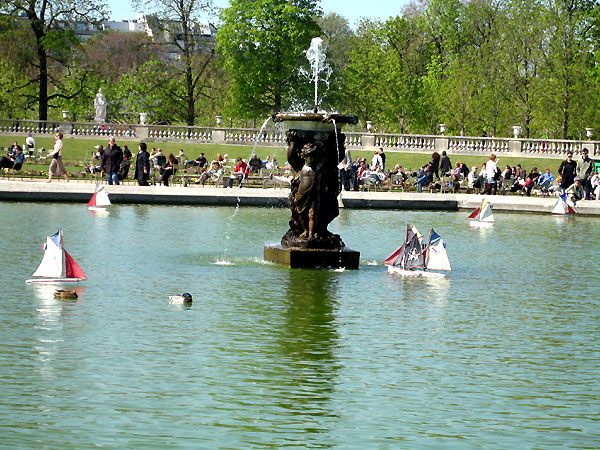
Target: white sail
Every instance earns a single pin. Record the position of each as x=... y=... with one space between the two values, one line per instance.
x=53 y=264
x=486 y=214
x=562 y=207
x=436 y=257
x=102 y=197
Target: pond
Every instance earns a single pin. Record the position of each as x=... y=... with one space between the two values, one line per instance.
x=502 y=353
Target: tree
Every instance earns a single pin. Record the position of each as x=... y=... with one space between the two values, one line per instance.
x=102 y=61
x=262 y=44
x=16 y=44
x=568 y=62
x=484 y=64
x=404 y=65
x=52 y=40
x=152 y=88
x=364 y=74
x=183 y=33
x=521 y=49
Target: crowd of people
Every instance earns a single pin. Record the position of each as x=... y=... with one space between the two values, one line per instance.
x=578 y=179
x=14 y=158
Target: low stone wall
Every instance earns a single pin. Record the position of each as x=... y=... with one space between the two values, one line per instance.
x=160 y=195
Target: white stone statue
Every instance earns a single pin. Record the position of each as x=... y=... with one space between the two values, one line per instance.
x=100 y=105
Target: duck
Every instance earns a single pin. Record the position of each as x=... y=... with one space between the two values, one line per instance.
x=66 y=293
x=183 y=299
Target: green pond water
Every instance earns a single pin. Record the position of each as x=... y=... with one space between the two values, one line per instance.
x=501 y=354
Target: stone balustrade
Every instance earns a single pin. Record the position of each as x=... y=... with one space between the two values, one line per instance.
x=275 y=136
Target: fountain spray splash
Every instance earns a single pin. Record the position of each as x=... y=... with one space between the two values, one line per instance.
x=316 y=57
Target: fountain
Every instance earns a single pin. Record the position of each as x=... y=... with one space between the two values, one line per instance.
x=315 y=146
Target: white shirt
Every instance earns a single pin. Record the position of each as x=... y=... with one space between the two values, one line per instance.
x=490 y=168
x=376 y=161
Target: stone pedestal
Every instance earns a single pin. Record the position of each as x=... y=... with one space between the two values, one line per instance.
x=368 y=141
x=218 y=136
x=442 y=144
x=300 y=258
x=142 y=132
x=66 y=128
x=515 y=146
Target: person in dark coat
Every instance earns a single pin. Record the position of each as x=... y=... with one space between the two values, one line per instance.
x=142 y=165
x=567 y=172
x=169 y=169
x=124 y=167
x=111 y=161
x=435 y=164
x=445 y=164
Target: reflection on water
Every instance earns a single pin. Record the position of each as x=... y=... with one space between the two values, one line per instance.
x=502 y=353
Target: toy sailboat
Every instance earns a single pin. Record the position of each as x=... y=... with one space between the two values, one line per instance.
x=57 y=265
x=562 y=207
x=99 y=200
x=412 y=259
x=483 y=214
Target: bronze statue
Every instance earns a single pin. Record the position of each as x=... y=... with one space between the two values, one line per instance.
x=315 y=147
x=314 y=156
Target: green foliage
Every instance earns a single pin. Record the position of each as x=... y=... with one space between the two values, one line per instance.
x=479 y=66
x=262 y=45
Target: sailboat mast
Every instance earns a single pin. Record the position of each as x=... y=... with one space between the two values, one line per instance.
x=63 y=269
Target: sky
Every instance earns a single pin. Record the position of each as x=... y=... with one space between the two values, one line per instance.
x=353 y=10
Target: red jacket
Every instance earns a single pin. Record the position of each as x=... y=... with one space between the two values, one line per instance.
x=241 y=167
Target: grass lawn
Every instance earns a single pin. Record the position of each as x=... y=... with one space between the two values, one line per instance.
x=76 y=151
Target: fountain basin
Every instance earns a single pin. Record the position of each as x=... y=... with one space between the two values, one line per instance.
x=314 y=121
x=309 y=258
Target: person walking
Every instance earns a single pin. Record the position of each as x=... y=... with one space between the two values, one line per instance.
x=491 y=181
x=111 y=161
x=142 y=165
x=56 y=165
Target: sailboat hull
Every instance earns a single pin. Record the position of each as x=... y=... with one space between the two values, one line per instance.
x=414 y=273
x=52 y=280
x=478 y=224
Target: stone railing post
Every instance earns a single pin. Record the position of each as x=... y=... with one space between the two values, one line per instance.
x=515 y=146
x=218 y=135
x=442 y=143
x=142 y=132
x=367 y=141
x=66 y=128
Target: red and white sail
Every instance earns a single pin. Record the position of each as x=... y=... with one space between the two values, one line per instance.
x=562 y=207
x=100 y=198
x=483 y=215
x=57 y=265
